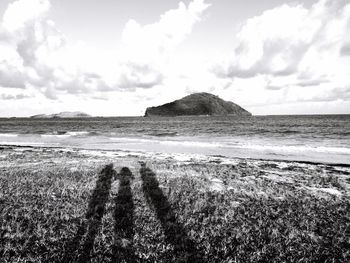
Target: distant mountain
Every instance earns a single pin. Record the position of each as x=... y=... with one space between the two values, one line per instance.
x=65 y=114
x=198 y=104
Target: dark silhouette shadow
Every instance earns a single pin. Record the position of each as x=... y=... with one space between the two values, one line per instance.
x=123 y=250
x=94 y=214
x=175 y=233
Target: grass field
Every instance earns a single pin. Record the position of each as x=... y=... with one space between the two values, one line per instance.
x=66 y=206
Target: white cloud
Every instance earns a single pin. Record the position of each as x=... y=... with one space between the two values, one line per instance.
x=155 y=41
x=294 y=48
x=20 y=13
x=41 y=58
x=32 y=40
x=10 y=76
x=14 y=97
x=282 y=40
x=148 y=50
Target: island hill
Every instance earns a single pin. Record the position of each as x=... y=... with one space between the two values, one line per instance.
x=65 y=114
x=198 y=104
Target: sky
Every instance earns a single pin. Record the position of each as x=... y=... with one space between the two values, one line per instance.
x=116 y=58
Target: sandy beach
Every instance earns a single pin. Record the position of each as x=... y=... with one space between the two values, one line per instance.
x=66 y=205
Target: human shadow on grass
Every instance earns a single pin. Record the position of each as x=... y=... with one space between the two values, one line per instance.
x=94 y=214
x=123 y=250
x=175 y=233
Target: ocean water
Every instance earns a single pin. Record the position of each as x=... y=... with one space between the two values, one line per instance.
x=323 y=138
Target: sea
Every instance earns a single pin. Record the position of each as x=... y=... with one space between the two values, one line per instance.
x=312 y=138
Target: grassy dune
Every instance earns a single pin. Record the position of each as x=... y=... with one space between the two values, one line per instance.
x=67 y=206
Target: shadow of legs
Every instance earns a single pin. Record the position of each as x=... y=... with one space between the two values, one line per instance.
x=94 y=214
x=124 y=217
x=175 y=234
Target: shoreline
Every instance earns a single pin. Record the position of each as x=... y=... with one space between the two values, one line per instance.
x=200 y=157
x=276 y=171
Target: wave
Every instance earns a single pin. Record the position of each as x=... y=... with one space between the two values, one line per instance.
x=193 y=144
x=130 y=140
x=8 y=135
x=52 y=134
x=164 y=134
x=55 y=136
x=66 y=134
x=343 y=133
x=60 y=132
x=78 y=133
x=288 y=132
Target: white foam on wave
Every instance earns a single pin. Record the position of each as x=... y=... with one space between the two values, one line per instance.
x=77 y=133
x=66 y=134
x=59 y=136
x=130 y=140
x=8 y=135
x=18 y=143
x=193 y=144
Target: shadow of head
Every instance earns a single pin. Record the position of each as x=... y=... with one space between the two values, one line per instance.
x=108 y=169
x=125 y=174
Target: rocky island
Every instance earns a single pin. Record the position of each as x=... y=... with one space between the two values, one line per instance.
x=198 y=104
x=65 y=114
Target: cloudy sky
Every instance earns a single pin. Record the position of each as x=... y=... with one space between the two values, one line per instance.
x=115 y=58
